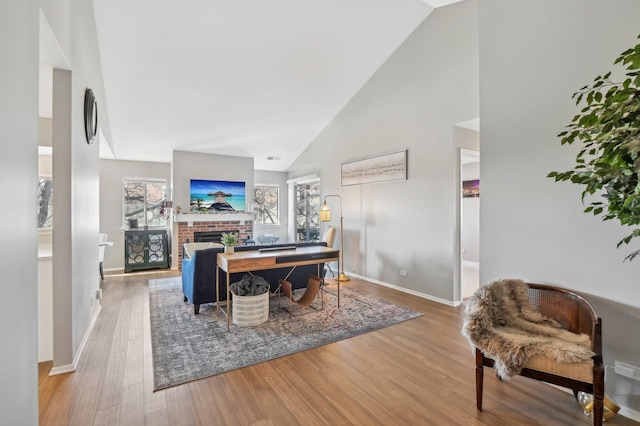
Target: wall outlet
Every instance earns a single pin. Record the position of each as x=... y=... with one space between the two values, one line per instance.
x=99 y=294
x=403 y=273
x=627 y=370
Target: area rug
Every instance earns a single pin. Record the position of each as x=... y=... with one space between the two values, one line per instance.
x=188 y=347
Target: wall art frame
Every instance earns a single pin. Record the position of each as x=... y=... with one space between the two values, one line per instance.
x=471 y=188
x=378 y=168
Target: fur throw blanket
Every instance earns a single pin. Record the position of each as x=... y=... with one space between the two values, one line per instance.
x=501 y=321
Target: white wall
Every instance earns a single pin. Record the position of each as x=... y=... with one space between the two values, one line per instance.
x=280 y=179
x=63 y=348
x=413 y=101
x=537 y=227
x=112 y=173
x=19 y=159
x=72 y=23
x=76 y=176
x=533 y=57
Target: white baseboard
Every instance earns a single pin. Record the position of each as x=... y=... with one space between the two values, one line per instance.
x=629 y=413
x=406 y=290
x=69 y=368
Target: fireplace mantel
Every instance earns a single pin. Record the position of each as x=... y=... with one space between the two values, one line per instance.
x=220 y=217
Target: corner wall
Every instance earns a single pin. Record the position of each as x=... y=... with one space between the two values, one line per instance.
x=112 y=173
x=19 y=22
x=412 y=102
x=531 y=226
x=533 y=57
x=75 y=235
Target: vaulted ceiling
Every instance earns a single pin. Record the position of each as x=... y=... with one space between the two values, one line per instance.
x=239 y=77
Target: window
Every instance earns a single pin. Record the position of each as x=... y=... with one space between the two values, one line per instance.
x=307 y=207
x=143 y=200
x=45 y=203
x=266 y=204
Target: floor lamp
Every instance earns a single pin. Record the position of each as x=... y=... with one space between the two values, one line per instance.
x=325 y=216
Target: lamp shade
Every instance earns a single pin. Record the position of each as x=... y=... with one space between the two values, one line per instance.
x=325 y=212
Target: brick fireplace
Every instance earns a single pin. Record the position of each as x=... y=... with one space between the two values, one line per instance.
x=187 y=229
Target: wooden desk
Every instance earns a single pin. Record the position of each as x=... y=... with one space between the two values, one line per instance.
x=255 y=260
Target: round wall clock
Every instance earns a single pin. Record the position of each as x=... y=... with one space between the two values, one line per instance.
x=90 y=116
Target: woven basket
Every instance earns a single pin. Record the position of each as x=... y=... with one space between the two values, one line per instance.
x=250 y=310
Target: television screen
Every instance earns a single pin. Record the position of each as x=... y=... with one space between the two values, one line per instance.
x=217 y=195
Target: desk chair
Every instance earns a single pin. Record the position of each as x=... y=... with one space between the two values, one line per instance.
x=329 y=237
x=102 y=243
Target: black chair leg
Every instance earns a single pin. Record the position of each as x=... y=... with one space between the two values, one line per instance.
x=101 y=272
x=196 y=308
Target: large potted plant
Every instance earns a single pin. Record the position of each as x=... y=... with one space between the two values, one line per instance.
x=229 y=240
x=608 y=129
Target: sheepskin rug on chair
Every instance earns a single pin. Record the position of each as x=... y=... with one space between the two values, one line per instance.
x=501 y=321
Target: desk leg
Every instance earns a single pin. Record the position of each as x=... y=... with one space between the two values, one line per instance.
x=339 y=266
x=217 y=290
x=321 y=286
x=228 y=303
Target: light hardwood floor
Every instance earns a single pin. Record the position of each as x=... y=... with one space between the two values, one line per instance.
x=420 y=372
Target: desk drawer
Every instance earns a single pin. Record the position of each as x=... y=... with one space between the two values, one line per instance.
x=249 y=264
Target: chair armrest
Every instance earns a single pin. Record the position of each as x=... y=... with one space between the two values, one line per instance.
x=188 y=268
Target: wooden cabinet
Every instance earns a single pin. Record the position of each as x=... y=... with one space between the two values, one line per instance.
x=146 y=249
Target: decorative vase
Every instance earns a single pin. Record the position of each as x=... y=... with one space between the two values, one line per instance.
x=585 y=400
x=228 y=249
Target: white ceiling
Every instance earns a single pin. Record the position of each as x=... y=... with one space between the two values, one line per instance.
x=240 y=77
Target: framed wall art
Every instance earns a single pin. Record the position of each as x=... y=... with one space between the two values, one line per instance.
x=471 y=189
x=379 y=168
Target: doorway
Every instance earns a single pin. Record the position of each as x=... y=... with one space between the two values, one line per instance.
x=469 y=222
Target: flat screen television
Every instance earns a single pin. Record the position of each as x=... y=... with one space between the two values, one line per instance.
x=217 y=195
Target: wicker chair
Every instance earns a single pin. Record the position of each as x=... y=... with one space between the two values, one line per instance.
x=329 y=237
x=575 y=314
